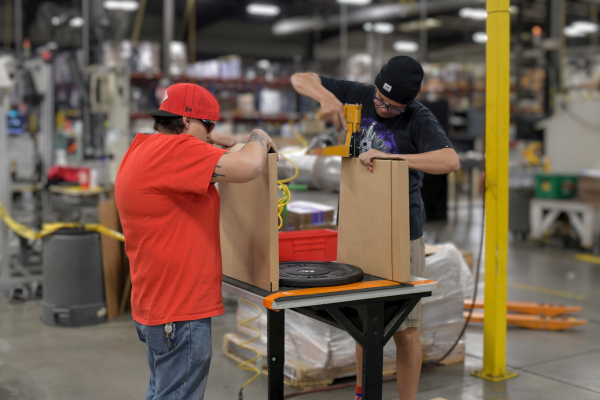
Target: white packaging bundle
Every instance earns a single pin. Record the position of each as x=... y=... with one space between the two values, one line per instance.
x=230 y=67
x=269 y=101
x=322 y=347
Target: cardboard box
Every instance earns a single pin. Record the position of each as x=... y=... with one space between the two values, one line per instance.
x=588 y=189
x=115 y=264
x=374 y=222
x=302 y=214
x=249 y=242
x=431 y=249
x=468 y=257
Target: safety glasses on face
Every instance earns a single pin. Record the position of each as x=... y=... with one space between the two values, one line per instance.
x=379 y=103
x=208 y=124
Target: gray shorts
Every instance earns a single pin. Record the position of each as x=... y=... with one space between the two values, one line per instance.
x=417 y=265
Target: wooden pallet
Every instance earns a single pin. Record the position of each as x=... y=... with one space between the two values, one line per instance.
x=304 y=376
x=457 y=356
x=295 y=373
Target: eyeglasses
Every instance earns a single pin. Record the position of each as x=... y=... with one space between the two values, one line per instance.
x=208 y=124
x=379 y=103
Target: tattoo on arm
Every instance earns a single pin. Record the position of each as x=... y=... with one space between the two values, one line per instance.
x=255 y=137
x=227 y=152
x=215 y=175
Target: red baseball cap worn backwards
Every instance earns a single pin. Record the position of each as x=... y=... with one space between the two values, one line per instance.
x=188 y=100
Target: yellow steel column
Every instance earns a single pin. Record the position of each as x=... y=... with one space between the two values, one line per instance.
x=496 y=182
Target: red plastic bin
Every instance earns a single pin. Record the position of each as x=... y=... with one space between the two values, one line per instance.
x=311 y=245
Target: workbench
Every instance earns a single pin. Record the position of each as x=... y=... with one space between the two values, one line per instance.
x=370 y=311
x=583 y=217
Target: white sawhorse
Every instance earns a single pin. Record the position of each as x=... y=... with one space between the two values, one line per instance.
x=582 y=217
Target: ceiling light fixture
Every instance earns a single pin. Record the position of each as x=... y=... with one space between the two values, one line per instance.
x=354 y=2
x=478 y=14
x=268 y=10
x=76 y=22
x=412 y=26
x=264 y=64
x=368 y=27
x=123 y=5
x=383 y=27
x=287 y=26
x=573 y=31
x=480 y=37
x=580 y=29
x=514 y=10
x=55 y=20
x=405 y=46
x=586 y=26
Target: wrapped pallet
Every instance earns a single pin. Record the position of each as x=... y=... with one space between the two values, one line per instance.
x=442 y=313
x=316 y=353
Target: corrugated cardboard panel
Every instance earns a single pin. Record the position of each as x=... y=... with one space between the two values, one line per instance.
x=112 y=258
x=400 y=221
x=431 y=249
x=365 y=224
x=249 y=242
x=273 y=223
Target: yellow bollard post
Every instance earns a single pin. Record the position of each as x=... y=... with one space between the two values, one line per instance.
x=496 y=182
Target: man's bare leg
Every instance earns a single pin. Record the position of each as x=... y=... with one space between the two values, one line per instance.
x=408 y=362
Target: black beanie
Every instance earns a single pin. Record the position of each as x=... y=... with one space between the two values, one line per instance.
x=400 y=79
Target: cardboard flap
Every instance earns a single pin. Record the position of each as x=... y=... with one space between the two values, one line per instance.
x=249 y=241
x=389 y=157
x=236 y=147
x=115 y=264
x=374 y=226
x=365 y=222
x=431 y=249
x=400 y=221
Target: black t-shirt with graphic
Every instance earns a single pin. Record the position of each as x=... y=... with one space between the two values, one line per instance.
x=414 y=131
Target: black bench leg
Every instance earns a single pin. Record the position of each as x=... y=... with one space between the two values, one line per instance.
x=373 y=353
x=275 y=352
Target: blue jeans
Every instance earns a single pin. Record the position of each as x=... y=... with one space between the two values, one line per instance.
x=179 y=367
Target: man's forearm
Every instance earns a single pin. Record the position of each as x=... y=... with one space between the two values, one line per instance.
x=257 y=144
x=247 y=163
x=309 y=84
x=434 y=162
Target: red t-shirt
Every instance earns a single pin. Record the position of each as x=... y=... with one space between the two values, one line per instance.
x=170 y=216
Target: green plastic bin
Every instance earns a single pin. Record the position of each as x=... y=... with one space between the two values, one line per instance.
x=555 y=186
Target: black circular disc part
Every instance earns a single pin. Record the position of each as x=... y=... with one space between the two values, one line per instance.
x=316 y=274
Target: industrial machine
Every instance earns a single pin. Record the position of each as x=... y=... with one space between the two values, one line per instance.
x=31 y=85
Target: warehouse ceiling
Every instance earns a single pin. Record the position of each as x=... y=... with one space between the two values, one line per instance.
x=224 y=26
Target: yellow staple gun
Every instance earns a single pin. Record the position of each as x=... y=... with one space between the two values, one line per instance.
x=351 y=147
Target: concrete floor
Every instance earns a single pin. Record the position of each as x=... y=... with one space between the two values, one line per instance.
x=108 y=361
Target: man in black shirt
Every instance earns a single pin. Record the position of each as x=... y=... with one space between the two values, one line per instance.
x=392 y=122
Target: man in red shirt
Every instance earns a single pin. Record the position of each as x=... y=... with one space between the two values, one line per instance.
x=169 y=209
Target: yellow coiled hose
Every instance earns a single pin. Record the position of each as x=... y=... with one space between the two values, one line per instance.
x=246 y=364
x=287 y=195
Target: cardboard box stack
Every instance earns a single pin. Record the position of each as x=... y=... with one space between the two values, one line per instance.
x=588 y=186
x=303 y=215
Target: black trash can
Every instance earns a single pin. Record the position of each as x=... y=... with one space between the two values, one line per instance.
x=73 y=279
